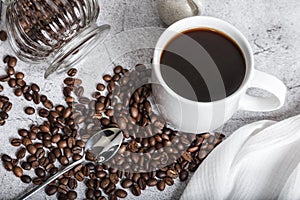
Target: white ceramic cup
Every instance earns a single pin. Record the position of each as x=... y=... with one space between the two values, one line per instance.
x=198 y=117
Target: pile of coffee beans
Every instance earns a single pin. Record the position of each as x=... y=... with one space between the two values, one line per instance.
x=151 y=155
x=5 y=104
x=48 y=25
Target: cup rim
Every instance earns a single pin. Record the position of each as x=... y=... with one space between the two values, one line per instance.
x=185 y=23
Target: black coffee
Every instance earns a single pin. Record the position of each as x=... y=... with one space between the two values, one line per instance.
x=203 y=65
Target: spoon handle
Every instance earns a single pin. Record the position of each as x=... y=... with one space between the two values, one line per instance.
x=50 y=179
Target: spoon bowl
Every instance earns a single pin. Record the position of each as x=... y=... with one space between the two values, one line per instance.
x=103 y=145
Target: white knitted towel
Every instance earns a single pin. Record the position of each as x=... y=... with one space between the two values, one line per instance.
x=258 y=161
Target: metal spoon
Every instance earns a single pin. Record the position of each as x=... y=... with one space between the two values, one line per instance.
x=103 y=145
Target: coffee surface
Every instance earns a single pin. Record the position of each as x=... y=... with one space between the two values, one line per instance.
x=203 y=65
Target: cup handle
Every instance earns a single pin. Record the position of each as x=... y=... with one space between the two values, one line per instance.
x=269 y=83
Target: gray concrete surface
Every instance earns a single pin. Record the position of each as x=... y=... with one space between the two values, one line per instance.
x=272 y=28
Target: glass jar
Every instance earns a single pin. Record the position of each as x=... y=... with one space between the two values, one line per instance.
x=54 y=32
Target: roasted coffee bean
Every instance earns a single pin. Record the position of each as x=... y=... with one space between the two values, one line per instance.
x=104 y=183
x=12 y=82
x=47 y=144
x=40 y=153
x=89 y=194
x=18 y=92
x=21 y=153
x=8 y=166
x=28 y=96
x=18 y=171
x=121 y=193
x=26 y=141
x=122 y=123
x=2 y=122
x=40 y=172
x=23 y=132
x=56 y=138
x=37 y=181
x=67 y=112
x=99 y=106
x=112 y=197
x=45 y=129
x=183 y=176
x=101 y=174
x=79 y=176
x=127 y=183
x=69 y=81
x=72 y=183
x=26 y=166
x=76 y=157
x=7 y=107
x=53 y=170
x=26 y=89
x=134 y=112
x=62 y=144
x=71 y=142
x=67 y=152
x=118 y=69
x=4 y=78
x=97 y=193
x=67 y=91
x=21 y=82
x=85 y=170
x=79 y=91
x=172 y=173
x=19 y=75
x=31 y=158
x=142 y=183
x=29 y=110
x=31 y=149
x=26 y=179
x=114 y=178
x=77 y=82
x=151 y=182
x=110 y=188
x=64 y=181
x=84 y=100
x=12 y=62
x=6 y=158
x=43 y=113
x=100 y=87
x=169 y=181
x=14 y=162
x=6 y=59
x=35 y=87
x=72 y=195
x=136 y=191
x=3 y=115
x=48 y=104
x=64 y=160
x=43 y=98
x=16 y=142
x=3 y=35
x=90 y=184
x=186 y=156
x=107 y=78
x=51 y=190
x=72 y=72
x=62 y=189
x=161 y=185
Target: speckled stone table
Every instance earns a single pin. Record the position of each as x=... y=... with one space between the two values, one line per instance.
x=272 y=28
